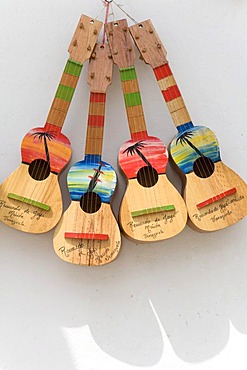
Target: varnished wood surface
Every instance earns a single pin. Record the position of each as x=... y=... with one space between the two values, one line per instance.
x=156 y=226
x=222 y=213
x=120 y=42
x=25 y=217
x=100 y=69
x=82 y=251
x=84 y=39
x=149 y=43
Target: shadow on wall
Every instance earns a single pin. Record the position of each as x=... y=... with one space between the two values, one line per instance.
x=196 y=283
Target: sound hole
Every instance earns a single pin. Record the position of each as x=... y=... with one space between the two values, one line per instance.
x=203 y=167
x=90 y=202
x=147 y=176
x=39 y=169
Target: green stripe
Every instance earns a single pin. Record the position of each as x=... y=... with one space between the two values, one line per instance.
x=73 y=68
x=153 y=210
x=128 y=74
x=65 y=92
x=29 y=201
x=132 y=99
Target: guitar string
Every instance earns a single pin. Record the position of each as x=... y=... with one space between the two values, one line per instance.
x=155 y=180
x=145 y=176
x=201 y=168
x=58 y=128
x=150 y=177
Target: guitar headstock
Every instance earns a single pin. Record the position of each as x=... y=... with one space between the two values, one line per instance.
x=100 y=69
x=149 y=44
x=121 y=44
x=84 y=39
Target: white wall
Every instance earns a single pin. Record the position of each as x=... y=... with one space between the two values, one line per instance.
x=179 y=304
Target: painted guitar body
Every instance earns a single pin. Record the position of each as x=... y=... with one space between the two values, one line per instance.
x=216 y=197
x=89 y=219
x=30 y=198
x=151 y=209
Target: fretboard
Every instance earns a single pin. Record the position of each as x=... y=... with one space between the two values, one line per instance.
x=64 y=94
x=95 y=127
x=133 y=103
x=172 y=96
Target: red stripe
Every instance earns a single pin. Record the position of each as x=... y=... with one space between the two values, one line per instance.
x=97 y=97
x=50 y=127
x=171 y=93
x=216 y=198
x=86 y=236
x=141 y=135
x=96 y=121
x=162 y=72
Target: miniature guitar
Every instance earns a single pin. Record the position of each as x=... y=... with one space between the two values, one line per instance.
x=88 y=233
x=152 y=209
x=30 y=198
x=216 y=197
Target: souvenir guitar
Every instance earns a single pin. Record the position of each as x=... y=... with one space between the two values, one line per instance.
x=30 y=198
x=152 y=209
x=88 y=233
x=215 y=195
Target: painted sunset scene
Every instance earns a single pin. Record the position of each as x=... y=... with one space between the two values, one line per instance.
x=89 y=175
x=198 y=141
x=134 y=155
x=50 y=145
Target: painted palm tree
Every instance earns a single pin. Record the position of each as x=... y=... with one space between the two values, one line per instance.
x=45 y=136
x=185 y=138
x=94 y=178
x=136 y=149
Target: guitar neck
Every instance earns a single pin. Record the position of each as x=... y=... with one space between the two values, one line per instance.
x=95 y=127
x=153 y=52
x=80 y=49
x=123 y=55
x=133 y=103
x=173 y=97
x=64 y=94
x=99 y=78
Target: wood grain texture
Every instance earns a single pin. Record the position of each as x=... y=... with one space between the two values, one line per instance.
x=149 y=43
x=87 y=252
x=222 y=213
x=100 y=69
x=25 y=217
x=84 y=39
x=120 y=42
x=156 y=226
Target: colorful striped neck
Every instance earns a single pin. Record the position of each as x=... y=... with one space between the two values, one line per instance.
x=173 y=98
x=133 y=103
x=64 y=94
x=95 y=127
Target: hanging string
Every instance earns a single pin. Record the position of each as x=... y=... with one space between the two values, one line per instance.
x=107 y=5
x=120 y=7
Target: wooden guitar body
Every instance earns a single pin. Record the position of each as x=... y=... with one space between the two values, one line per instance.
x=28 y=213
x=84 y=251
x=30 y=198
x=216 y=197
x=151 y=209
x=87 y=233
